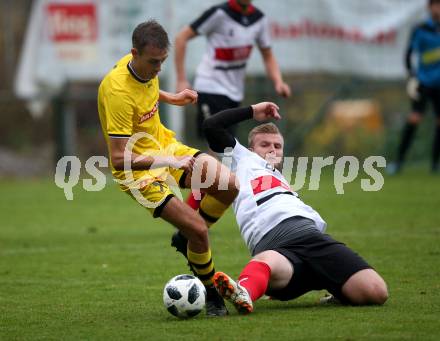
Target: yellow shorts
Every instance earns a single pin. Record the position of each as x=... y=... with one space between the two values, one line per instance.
x=154 y=188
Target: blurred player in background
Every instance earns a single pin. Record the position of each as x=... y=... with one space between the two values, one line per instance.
x=291 y=253
x=423 y=84
x=231 y=30
x=128 y=104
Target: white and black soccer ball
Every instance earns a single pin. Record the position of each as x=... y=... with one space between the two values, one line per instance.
x=184 y=296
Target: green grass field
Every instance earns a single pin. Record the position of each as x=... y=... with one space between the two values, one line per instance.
x=94 y=268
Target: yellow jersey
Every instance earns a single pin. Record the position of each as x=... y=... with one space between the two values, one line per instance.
x=128 y=105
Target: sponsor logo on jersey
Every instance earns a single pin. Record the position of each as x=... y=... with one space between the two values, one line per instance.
x=160 y=185
x=147 y=115
x=230 y=54
x=266 y=182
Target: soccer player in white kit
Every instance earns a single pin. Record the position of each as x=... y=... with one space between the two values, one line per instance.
x=231 y=29
x=291 y=253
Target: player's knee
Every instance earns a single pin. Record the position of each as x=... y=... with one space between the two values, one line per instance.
x=373 y=292
x=380 y=291
x=365 y=287
x=280 y=267
x=231 y=181
x=380 y=295
x=227 y=191
x=376 y=292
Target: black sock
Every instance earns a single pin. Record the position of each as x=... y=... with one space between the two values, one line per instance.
x=436 y=149
x=407 y=138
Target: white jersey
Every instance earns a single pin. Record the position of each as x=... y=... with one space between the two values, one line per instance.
x=230 y=38
x=265 y=198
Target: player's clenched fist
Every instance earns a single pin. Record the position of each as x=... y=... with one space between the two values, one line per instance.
x=266 y=110
x=183 y=162
x=186 y=96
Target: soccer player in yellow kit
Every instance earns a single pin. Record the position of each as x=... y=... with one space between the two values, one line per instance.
x=129 y=113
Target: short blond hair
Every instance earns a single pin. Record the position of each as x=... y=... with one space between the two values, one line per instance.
x=266 y=128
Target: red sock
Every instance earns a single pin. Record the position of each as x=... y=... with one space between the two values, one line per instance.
x=193 y=202
x=255 y=278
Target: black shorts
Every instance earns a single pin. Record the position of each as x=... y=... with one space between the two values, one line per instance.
x=210 y=104
x=427 y=95
x=319 y=262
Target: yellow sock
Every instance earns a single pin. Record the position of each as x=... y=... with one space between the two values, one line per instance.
x=202 y=265
x=211 y=209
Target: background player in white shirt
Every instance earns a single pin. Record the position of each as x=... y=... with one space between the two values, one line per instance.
x=231 y=29
x=291 y=253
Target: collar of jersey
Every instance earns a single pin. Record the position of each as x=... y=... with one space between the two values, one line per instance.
x=264 y=163
x=233 y=4
x=133 y=73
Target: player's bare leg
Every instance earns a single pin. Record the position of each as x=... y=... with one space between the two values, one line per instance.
x=407 y=138
x=189 y=223
x=213 y=178
x=281 y=269
x=193 y=227
x=365 y=287
x=192 y=201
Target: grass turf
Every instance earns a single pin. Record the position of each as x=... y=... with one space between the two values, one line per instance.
x=94 y=267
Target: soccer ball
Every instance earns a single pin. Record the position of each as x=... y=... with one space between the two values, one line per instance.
x=184 y=296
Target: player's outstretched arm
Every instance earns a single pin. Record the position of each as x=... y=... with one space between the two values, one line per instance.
x=180 y=43
x=264 y=111
x=184 y=97
x=215 y=127
x=274 y=73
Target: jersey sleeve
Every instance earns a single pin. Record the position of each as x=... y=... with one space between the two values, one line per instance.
x=215 y=127
x=207 y=22
x=234 y=156
x=263 y=38
x=414 y=39
x=240 y=152
x=412 y=48
x=119 y=113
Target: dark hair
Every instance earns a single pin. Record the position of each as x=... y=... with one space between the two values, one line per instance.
x=432 y=2
x=150 y=33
